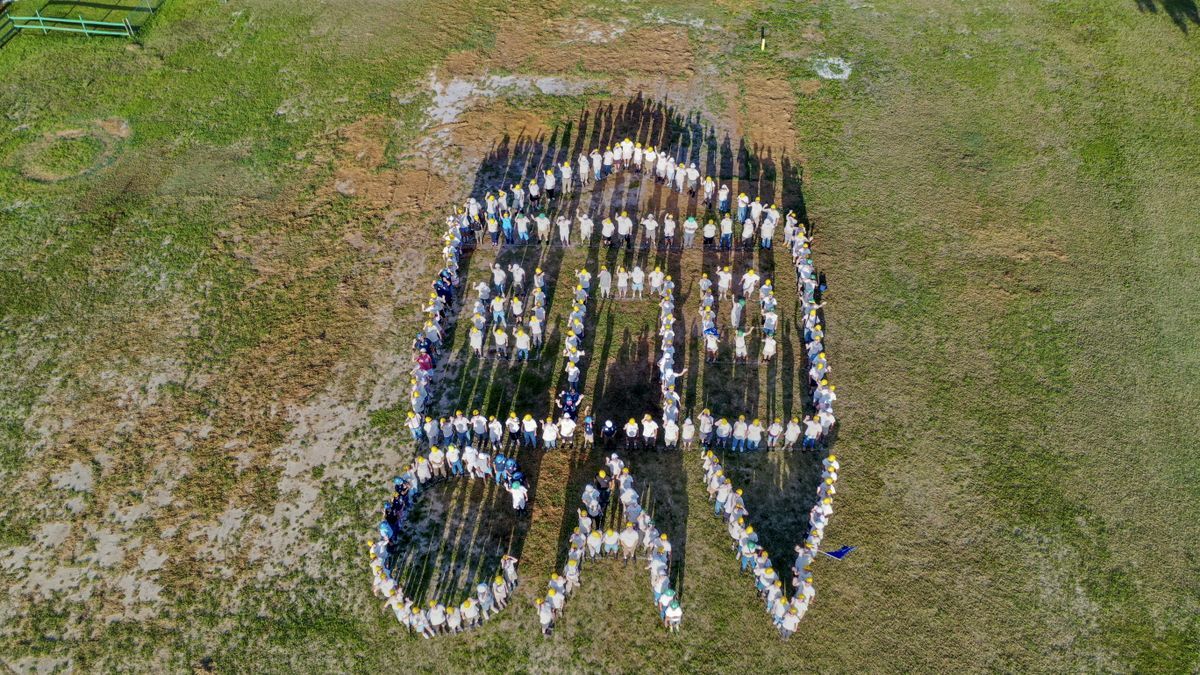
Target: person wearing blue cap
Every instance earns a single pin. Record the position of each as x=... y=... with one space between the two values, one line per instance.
x=501 y=464
x=589 y=431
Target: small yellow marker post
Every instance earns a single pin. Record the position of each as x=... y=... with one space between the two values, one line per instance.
x=763 y=46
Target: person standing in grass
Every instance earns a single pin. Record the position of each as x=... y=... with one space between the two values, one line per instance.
x=754 y=435
x=545 y=615
x=585 y=229
x=638 y=277
x=629 y=539
x=500 y=338
x=500 y=592
x=420 y=624
x=740 y=351
x=513 y=426
x=631 y=434
x=470 y=613
x=649 y=432
x=423 y=472
x=566 y=430
x=594 y=540
x=625 y=229
x=495 y=433
x=673 y=616
x=565 y=169
x=724 y=430
x=584 y=173
x=520 y=495
x=688 y=433
x=485 y=599
x=564 y=231
x=529 y=429
x=724 y=282
x=549 y=434
x=789 y=624
x=611 y=541
x=650 y=225
x=656 y=280
x=437 y=617
x=437 y=462
x=670 y=434
x=523 y=342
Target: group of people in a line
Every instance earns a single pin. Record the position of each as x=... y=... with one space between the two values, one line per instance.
x=752 y=557
x=592 y=539
x=428 y=341
x=518 y=214
x=822 y=393
x=435 y=618
x=667 y=375
x=429 y=468
x=741 y=433
x=479 y=432
x=461 y=461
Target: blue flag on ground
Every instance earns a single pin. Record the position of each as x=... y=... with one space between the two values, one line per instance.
x=840 y=553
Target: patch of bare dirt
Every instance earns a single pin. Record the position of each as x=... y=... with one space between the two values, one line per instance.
x=462 y=64
x=562 y=46
x=767 y=116
x=496 y=133
x=360 y=173
x=808 y=87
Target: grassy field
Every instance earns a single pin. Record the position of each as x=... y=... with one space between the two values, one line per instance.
x=213 y=244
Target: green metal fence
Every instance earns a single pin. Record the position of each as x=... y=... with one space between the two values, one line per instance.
x=48 y=24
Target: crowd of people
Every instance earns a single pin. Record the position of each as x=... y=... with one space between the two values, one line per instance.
x=518 y=215
x=591 y=539
x=740 y=433
x=512 y=319
x=428 y=341
x=507 y=321
x=433 y=467
x=729 y=505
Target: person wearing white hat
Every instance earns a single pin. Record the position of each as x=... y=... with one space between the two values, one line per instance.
x=693 y=179
x=584 y=174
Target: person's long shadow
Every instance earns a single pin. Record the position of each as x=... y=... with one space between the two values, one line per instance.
x=1183 y=13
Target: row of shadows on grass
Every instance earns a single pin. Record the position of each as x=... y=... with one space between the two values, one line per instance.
x=621 y=348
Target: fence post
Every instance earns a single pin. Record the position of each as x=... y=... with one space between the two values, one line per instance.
x=83 y=25
x=38 y=14
x=128 y=28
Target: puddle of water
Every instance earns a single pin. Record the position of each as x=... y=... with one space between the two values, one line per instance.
x=833 y=68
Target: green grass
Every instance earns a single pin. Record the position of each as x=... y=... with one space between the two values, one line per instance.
x=1003 y=200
